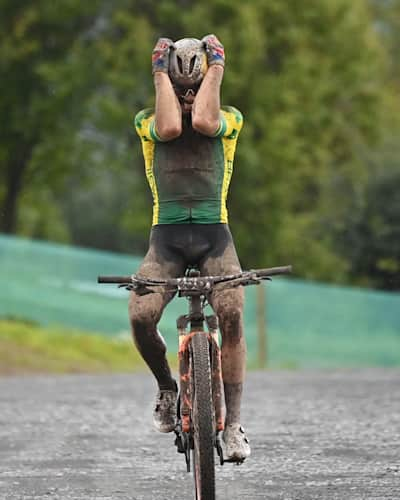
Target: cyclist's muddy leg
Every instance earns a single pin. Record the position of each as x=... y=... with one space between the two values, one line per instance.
x=145 y=311
x=228 y=305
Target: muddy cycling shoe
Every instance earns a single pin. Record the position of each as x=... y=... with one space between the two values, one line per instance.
x=164 y=414
x=237 y=446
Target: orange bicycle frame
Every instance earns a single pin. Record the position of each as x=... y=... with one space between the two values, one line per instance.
x=185 y=374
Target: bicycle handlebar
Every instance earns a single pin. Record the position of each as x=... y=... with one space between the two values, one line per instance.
x=272 y=271
x=195 y=284
x=114 y=279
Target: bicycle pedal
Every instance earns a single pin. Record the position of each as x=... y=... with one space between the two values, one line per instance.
x=179 y=444
x=180 y=441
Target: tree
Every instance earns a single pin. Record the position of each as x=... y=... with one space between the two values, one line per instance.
x=308 y=79
x=38 y=38
x=368 y=232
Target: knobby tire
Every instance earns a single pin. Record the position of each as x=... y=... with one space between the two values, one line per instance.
x=203 y=420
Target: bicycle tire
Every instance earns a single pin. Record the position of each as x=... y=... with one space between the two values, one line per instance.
x=203 y=419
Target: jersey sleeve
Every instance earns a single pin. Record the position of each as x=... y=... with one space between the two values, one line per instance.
x=145 y=126
x=231 y=122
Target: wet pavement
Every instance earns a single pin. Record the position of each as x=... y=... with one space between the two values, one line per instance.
x=314 y=435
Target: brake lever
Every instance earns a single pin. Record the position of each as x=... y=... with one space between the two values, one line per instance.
x=240 y=282
x=140 y=290
x=256 y=281
x=144 y=291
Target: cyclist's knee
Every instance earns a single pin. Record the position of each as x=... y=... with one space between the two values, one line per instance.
x=145 y=335
x=144 y=313
x=228 y=306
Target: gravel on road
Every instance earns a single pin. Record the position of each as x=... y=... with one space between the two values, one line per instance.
x=314 y=435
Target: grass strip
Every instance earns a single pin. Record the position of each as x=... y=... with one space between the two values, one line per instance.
x=29 y=348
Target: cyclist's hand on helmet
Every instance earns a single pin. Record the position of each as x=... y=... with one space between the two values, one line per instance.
x=160 y=56
x=214 y=50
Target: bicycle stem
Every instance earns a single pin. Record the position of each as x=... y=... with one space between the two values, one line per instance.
x=195 y=313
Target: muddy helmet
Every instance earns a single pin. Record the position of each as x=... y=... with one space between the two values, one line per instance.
x=188 y=62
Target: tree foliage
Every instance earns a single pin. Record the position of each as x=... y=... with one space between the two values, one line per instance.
x=41 y=43
x=315 y=82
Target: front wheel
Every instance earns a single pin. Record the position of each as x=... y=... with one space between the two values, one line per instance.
x=203 y=419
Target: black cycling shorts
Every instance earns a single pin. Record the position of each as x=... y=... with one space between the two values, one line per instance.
x=175 y=247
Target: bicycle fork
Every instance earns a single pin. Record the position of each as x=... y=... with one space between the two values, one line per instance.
x=184 y=441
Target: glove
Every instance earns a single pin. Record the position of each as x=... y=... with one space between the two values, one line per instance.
x=160 y=57
x=214 y=50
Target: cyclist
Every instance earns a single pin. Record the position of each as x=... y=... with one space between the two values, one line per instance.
x=188 y=143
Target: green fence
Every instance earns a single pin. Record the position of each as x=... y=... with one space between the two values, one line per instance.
x=308 y=324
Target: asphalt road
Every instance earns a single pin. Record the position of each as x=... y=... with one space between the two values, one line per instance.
x=314 y=435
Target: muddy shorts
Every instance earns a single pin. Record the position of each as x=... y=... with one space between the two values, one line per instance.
x=175 y=247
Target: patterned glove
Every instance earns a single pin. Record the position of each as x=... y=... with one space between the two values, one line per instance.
x=214 y=50
x=160 y=57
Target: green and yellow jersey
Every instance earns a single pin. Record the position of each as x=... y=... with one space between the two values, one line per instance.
x=189 y=176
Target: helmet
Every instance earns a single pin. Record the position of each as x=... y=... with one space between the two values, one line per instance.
x=188 y=62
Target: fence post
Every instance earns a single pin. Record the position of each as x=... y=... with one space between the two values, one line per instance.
x=262 y=326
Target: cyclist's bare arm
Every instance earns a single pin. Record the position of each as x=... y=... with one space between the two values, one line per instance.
x=206 y=106
x=168 y=113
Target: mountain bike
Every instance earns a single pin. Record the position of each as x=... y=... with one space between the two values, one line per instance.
x=201 y=411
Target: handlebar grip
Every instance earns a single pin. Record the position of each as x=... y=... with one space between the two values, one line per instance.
x=272 y=271
x=114 y=279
